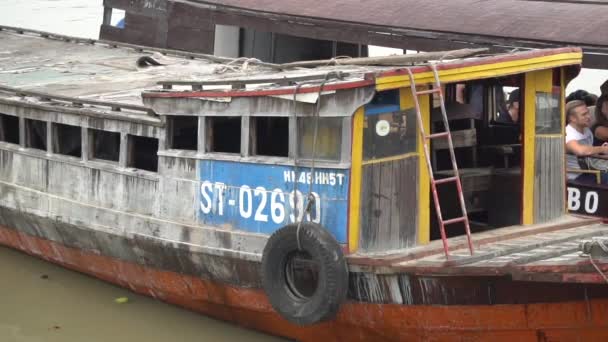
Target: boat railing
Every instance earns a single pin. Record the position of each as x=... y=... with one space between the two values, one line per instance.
x=77 y=102
x=242 y=83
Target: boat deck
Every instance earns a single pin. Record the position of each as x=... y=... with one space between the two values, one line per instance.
x=545 y=252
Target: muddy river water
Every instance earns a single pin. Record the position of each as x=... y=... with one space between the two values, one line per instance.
x=41 y=302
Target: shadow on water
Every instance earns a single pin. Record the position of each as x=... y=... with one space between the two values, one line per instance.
x=42 y=302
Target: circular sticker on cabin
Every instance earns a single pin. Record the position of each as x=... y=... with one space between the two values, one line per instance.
x=383 y=128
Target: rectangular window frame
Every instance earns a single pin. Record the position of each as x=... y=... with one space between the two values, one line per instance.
x=171 y=136
x=342 y=134
x=410 y=126
x=131 y=153
x=548 y=118
x=29 y=136
x=3 y=124
x=56 y=142
x=243 y=136
x=254 y=137
x=91 y=155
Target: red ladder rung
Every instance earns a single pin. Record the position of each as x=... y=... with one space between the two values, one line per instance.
x=446 y=180
x=426 y=92
x=455 y=220
x=438 y=135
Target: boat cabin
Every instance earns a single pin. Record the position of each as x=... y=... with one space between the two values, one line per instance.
x=351 y=140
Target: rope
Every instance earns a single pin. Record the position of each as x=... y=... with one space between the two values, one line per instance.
x=230 y=67
x=604 y=248
x=336 y=60
x=597 y=268
x=310 y=197
x=602 y=245
x=295 y=160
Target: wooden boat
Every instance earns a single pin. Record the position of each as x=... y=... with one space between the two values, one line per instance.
x=297 y=201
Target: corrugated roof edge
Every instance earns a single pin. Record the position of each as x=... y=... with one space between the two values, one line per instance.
x=371 y=77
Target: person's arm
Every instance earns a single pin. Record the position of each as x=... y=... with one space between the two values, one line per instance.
x=601 y=133
x=581 y=150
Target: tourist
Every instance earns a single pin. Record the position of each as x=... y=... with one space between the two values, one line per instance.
x=600 y=128
x=579 y=144
x=511 y=116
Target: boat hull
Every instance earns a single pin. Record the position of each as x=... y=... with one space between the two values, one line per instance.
x=357 y=321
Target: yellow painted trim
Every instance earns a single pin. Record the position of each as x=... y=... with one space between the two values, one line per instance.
x=390 y=159
x=529 y=135
x=354 y=229
x=483 y=71
x=549 y=136
x=597 y=173
x=424 y=191
x=562 y=78
x=544 y=81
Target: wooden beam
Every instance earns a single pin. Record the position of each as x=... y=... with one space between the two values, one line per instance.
x=398 y=60
x=462 y=138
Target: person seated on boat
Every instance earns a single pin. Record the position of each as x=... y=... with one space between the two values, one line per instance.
x=511 y=115
x=583 y=95
x=600 y=127
x=604 y=88
x=579 y=145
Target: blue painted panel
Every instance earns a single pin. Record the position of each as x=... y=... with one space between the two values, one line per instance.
x=383 y=102
x=262 y=198
x=373 y=110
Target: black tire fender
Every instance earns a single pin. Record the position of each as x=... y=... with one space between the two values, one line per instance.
x=332 y=285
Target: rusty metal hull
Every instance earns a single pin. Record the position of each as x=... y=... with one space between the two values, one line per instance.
x=437 y=309
x=559 y=320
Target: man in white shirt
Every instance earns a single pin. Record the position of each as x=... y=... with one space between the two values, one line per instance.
x=579 y=140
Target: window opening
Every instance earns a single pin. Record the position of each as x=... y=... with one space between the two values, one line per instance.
x=9 y=129
x=67 y=140
x=389 y=134
x=105 y=145
x=35 y=134
x=329 y=138
x=487 y=150
x=224 y=134
x=184 y=132
x=270 y=136
x=384 y=101
x=118 y=18
x=508 y=101
x=143 y=153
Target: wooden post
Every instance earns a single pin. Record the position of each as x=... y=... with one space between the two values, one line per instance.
x=22 y=131
x=86 y=150
x=123 y=158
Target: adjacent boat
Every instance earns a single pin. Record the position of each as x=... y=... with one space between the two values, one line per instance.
x=301 y=200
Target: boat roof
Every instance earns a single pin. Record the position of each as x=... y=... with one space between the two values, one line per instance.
x=41 y=63
x=429 y=25
x=542 y=20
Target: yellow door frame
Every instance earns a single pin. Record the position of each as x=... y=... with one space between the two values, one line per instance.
x=535 y=81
